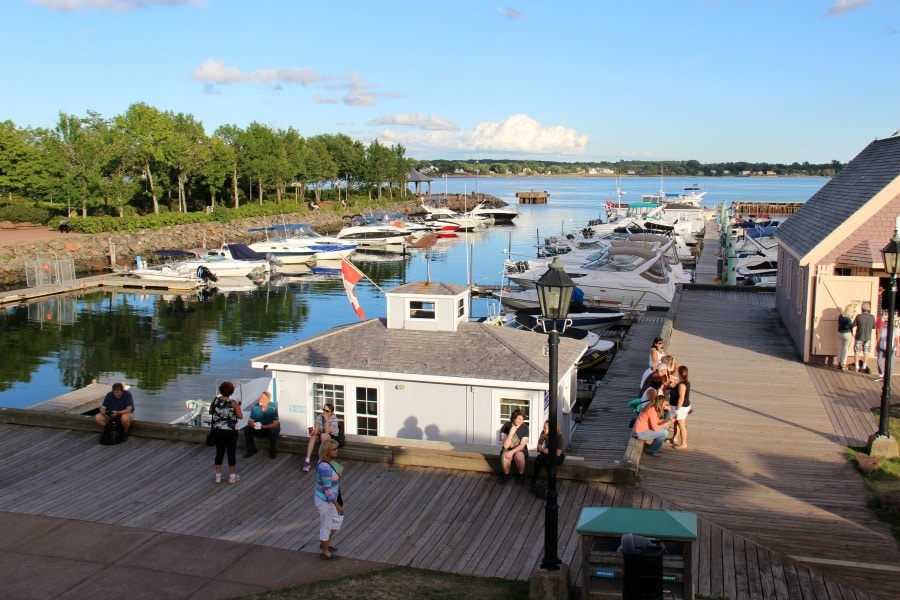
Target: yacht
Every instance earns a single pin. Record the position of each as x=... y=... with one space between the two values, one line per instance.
x=298 y=243
x=499 y=214
x=623 y=276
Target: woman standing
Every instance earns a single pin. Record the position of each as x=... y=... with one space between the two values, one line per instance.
x=225 y=415
x=327 y=498
x=845 y=333
x=680 y=400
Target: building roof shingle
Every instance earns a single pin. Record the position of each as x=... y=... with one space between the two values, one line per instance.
x=474 y=351
x=858 y=182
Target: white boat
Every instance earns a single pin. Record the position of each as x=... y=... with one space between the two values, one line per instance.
x=623 y=276
x=376 y=237
x=499 y=214
x=231 y=260
x=298 y=243
x=465 y=222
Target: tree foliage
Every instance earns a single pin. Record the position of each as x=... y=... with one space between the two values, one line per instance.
x=149 y=161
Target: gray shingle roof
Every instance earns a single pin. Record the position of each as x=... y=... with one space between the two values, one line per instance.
x=857 y=183
x=475 y=350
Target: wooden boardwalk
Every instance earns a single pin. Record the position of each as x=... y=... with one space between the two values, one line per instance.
x=766 y=461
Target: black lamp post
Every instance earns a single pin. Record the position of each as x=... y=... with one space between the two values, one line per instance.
x=554 y=290
x=890 y=254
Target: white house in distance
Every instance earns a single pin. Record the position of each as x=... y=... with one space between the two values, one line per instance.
x=423 y=373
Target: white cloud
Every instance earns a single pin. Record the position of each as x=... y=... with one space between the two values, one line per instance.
x=511 y=13
x=516 y=134
x=215 y=71
x=356 y=91
x=111 y=5
x=418 y=120
x=842 y=7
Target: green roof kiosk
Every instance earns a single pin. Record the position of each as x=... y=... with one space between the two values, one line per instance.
x=602 y=565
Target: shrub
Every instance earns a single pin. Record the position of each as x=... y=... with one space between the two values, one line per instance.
x=24 y=213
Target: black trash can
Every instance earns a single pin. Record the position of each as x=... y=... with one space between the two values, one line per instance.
x=643 y=567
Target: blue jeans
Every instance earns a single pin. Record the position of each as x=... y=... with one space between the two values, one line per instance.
x=658 y=437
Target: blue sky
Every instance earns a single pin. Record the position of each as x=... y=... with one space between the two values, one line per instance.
x=709 y=80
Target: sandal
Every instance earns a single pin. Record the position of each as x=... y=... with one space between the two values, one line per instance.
x=326 y=557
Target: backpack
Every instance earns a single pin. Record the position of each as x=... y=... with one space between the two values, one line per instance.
x=539 y=488
x=113 y=433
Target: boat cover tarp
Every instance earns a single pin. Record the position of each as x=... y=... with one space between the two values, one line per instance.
x=242 y=252
x=174 y=253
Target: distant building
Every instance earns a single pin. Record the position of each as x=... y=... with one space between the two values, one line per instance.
x=425 y=372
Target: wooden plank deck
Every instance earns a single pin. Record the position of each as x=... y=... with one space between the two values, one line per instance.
x=766 y=459
x=456 y=521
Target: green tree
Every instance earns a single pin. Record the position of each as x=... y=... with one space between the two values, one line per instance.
x=231 y=136
x=150 y=131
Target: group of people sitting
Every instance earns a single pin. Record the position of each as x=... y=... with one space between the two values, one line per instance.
x=514 y=449
x=665 y=402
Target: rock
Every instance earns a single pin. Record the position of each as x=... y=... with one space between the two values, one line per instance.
x=867 y=463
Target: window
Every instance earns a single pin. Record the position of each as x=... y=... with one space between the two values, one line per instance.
x=507 y=405
x=460 y=308
x=366 y=411
x=843 y=271
x=329 y=393
x=419 y=309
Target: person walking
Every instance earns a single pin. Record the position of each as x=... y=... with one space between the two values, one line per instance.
x=887 y=351
x=327 y=498
x=226 y=413
x=845 y=333
x=863 y=325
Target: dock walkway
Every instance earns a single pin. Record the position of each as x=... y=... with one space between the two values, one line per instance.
x=781 y=512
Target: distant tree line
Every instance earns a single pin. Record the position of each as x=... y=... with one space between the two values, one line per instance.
x=149 y=161
x=674 y=168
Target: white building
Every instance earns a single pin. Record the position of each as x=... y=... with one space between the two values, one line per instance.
x=425 y=372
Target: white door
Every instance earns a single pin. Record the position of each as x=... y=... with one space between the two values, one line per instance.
x=833 y=293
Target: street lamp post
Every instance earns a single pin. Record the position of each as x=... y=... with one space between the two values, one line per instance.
x=881 y=442
x=554 y=290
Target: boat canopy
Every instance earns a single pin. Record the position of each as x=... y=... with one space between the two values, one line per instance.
x=174 y=253
x=243 y=252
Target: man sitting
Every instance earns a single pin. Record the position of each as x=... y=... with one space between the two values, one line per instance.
x=118 y=404
x=263 y=421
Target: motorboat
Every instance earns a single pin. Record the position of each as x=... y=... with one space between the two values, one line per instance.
x=231 y=260
x=464 y=222
x=376 y=237
x=298 y=243
x=581 y=316
x=622 y=276
x=499 y=214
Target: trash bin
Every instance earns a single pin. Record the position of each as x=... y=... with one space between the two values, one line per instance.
x=643 y=567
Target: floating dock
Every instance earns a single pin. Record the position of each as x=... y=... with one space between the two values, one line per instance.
x=532 y=197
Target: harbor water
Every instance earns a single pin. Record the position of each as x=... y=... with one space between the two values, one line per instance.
x=173 y=347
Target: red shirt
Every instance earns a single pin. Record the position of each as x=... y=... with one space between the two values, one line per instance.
x=648 y=419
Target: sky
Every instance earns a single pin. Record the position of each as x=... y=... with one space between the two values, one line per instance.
x=776 y=81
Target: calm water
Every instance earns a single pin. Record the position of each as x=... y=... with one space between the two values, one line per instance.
x=170 y=348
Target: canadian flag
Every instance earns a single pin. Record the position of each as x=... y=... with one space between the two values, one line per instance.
x=351 y=276
x=609 y=204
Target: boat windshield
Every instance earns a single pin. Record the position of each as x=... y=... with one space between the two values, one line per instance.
x=616 y=262
x=657 y=273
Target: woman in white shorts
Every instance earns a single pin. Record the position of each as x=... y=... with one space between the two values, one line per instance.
x=680 y=400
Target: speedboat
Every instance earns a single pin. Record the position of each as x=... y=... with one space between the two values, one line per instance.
x=464 y=222
x=499 y=214
x=298 y=243
x=376 y=237
x=231 y=260
x=622 y=276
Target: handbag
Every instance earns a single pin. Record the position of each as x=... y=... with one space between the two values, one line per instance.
x=210 y=437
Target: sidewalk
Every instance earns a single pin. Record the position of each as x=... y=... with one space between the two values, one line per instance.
x=42 y=558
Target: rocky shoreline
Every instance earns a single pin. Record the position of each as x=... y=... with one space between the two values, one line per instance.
x=96 y=253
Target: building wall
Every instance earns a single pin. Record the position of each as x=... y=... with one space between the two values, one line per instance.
x=408 y=410
x=787 y=290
